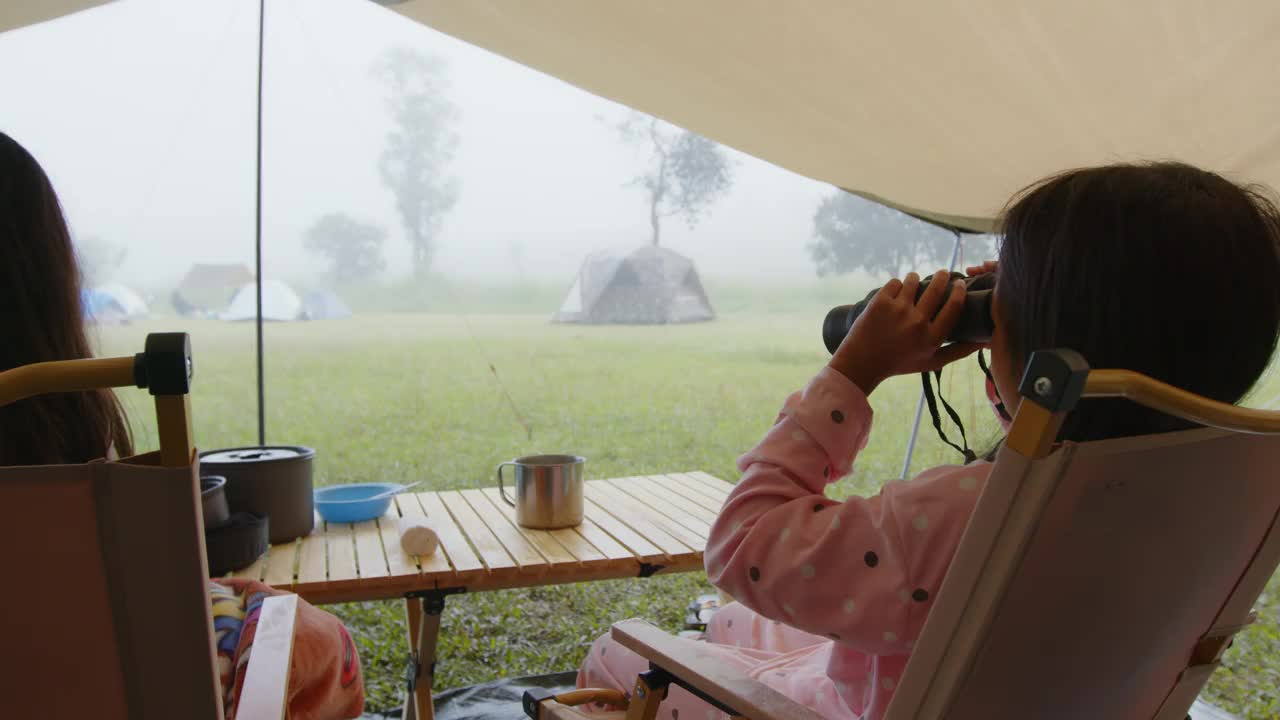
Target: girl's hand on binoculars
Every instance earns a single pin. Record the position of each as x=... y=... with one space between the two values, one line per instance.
x=989 y=266
x=896 y=335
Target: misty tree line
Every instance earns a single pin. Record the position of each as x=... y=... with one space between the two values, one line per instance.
x=683 y=176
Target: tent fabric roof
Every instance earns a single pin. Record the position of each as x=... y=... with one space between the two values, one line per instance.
x=18 y=13
x=944 y=110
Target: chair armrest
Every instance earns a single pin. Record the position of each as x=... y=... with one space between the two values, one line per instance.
x=265 y=695
x=703 y=672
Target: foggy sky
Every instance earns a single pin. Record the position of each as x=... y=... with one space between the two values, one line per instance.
x=143 y=113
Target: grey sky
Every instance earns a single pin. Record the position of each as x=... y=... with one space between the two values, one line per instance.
x=143 y=113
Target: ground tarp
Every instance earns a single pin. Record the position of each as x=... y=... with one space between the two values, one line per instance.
x=497 y=700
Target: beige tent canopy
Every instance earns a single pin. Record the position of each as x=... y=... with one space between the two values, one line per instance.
x=940 y=109
x=19 y=13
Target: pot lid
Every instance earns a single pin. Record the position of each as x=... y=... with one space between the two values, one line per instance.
x=271 y=453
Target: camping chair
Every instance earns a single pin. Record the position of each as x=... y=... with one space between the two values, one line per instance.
x=106 y=611
x=1095 y=580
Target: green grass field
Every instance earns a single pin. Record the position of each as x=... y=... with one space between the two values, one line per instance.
x=404 y=397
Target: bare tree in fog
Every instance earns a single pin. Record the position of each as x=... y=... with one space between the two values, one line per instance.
x=353 y=248
x=853 y=233
x=420 y=147
x=99 y=258
x=686 y=173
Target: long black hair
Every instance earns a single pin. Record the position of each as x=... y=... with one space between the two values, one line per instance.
x=41 y=319
x=1160 y=268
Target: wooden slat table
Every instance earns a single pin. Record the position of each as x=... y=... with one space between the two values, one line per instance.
x=634 y=527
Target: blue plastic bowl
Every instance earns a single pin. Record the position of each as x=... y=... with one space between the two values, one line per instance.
x=356 y=502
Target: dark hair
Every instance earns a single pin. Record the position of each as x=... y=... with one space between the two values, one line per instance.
x=41 y=319
x=1160 y=268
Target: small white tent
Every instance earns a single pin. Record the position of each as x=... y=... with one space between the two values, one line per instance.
x=279 y=303
x=130 y=302
x=324 y=305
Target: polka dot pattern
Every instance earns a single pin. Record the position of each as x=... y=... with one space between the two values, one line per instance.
x=921 y=523
x=754 y=574
x=675 y=714
x=807 y=572
x=819 y=507
x=871 y=559
x=837 y=417
x=920 y=595
x=826 y=471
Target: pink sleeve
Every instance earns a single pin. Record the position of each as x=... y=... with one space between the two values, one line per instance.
x=861 y=572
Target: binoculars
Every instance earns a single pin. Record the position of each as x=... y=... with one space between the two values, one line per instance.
x=974 y=325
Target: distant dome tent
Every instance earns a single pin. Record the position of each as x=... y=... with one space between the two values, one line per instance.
x=208 y=288
x=128 y=300
x=649 y=286
x=101 y=308
x=324 y=305
x=279 y=303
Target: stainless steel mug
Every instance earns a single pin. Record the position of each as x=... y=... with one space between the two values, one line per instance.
x=548 y=490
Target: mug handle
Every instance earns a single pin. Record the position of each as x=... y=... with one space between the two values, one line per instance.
x=502 y=490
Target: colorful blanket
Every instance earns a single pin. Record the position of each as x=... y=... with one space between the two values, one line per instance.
x=324 y=676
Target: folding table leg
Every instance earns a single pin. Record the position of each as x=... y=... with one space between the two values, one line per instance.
x=422 y=611
x=413 y=623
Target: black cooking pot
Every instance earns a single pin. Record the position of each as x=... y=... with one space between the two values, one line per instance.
x=274 y=481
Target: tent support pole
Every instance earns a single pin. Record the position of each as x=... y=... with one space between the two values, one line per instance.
x=257 y=248
x=915 y=427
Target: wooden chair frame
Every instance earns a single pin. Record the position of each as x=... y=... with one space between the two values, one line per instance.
x=165 y=369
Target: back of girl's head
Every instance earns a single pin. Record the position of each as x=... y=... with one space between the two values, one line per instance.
x=1159 y=268
x=41 y=319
